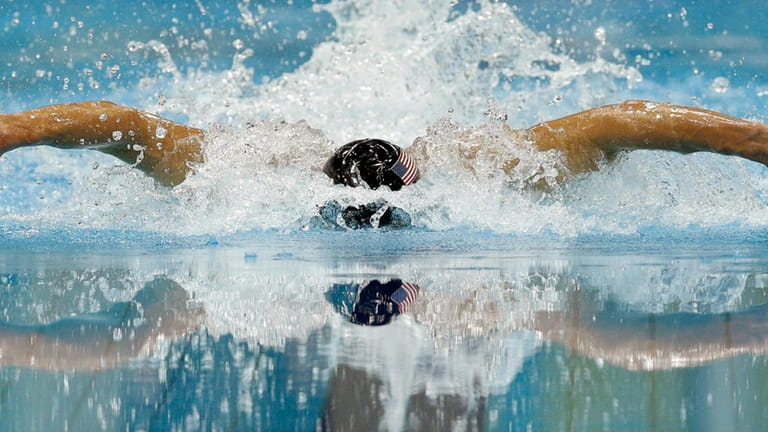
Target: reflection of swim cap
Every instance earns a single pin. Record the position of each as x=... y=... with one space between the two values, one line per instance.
x=378 y=303
x=374 y=162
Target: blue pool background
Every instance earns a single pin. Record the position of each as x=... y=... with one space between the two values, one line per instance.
x=655 y=233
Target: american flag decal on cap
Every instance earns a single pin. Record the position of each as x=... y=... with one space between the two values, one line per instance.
x=405 y=168
x=404 y=296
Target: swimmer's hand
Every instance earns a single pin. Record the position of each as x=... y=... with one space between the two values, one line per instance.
x=378 y=214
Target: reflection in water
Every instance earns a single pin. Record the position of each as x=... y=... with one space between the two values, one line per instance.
x=101 y=339
x=362 y=396
x=538 y=349
x=377 y=303
x=355 y=403
x=358 y=399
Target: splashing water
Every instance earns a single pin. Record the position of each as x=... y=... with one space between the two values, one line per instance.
x=427 y=76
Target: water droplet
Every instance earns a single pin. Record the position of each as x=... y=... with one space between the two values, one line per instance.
x=103 y=117
x=600 y=34
x=117 y=334
x=161 y=132
x=117 y=135
x=720 y=85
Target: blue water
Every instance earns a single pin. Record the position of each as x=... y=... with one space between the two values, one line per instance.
x=535 y=311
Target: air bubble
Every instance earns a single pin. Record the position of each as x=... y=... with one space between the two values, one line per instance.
x=103 y=117
x=117 y=135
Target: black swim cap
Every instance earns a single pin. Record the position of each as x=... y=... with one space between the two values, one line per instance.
x=378 y=303
x=374 y=162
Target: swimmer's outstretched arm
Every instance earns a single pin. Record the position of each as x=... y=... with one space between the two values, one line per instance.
x=657 y=341
x=600 y=133
x=159 y=147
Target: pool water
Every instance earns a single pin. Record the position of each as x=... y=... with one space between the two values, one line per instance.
x=277 y=351
x=632 y=298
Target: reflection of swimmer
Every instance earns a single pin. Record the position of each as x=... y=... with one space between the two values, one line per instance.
x=378 y=303
x=396 y=378
x=105 y=338
x=643 y=341
x=166 y=150
x=631 y=340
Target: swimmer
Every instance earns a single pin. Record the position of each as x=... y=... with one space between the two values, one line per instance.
x=168 y=151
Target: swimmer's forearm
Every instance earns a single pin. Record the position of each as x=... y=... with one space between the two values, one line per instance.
x=631 y=125
x=75 y=125
x=157 y=146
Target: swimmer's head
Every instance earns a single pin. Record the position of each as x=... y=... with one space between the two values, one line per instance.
x=378 y=302
x=372 y=162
